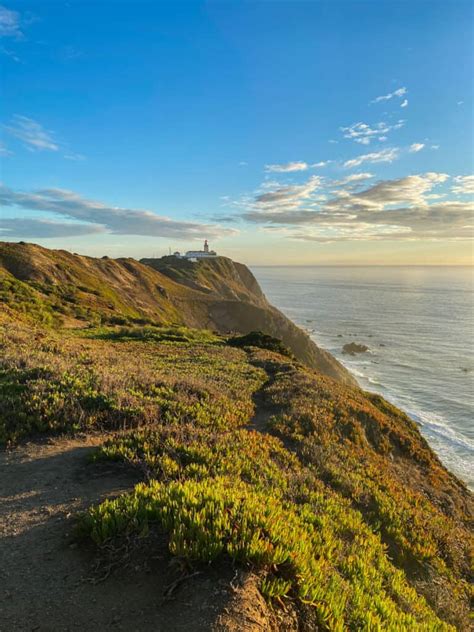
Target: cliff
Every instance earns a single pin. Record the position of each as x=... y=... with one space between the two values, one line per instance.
x=214 y=294
x=159 y=476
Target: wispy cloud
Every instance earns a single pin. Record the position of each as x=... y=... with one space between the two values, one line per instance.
x=354 y=178
x=30 y=228
x=464 y=185
x=9 y=53
x=404 y=103
x=410 y=189
x=386 y=155
x=416 y=147
x=364 y=134
x=34 y=136
x=74 y=157
x=4 y=151
x=400 y=209
x=288 y=167
x=386 y=97
x=9 y=23
x=289 y=196
x=95 y=217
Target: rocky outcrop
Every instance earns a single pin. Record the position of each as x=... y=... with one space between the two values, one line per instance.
x=351 y=348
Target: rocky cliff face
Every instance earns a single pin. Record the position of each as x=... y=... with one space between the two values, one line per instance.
x=233 y=301
x=215 y=294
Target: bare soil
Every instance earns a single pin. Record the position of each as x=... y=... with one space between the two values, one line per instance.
x=49 y=584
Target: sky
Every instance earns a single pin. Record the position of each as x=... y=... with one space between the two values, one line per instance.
x=286 y=133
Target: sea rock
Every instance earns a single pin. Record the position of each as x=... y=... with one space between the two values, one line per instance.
x=351 y=348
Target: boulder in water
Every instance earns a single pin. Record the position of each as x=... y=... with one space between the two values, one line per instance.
x=352 y=348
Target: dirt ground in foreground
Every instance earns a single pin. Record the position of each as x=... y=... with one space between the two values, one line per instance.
x=49 y=584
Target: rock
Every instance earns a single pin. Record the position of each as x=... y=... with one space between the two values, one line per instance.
x=352 y=348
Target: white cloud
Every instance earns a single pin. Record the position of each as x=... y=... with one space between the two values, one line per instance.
x=355 y=177
x=435 y=147
x=287 y=168
x=386 y=97
x=364 y=134
x=290 y=196
x=4 y=151
x=75 y=157
x=409 y=190
x=9 y=23
x=10 y=54
x=415 y=147
x=323 y=163
x=404 y=103
x=401 y=209
x=33 y=135
x=464 y=185
x=94 y=217
x=386 y=155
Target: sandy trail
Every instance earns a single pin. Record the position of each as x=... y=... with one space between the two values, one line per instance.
x=42 y=572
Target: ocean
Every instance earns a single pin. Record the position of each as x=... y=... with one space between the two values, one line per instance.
x=418 y=323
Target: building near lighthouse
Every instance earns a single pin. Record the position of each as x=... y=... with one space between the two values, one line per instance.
x=195 y=255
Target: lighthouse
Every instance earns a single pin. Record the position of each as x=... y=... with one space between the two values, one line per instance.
x=195 y=255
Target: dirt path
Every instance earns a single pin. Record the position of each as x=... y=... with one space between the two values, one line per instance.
x=42 y=573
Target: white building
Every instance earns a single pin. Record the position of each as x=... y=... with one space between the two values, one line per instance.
x=194 y=255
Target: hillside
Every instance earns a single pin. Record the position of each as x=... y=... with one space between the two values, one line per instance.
x=160 y=476
x=215 y=294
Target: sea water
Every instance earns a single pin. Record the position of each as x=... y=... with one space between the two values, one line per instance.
x=418 y=323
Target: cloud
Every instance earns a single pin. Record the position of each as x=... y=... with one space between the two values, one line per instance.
x=464 y=185
x=4 y=151
x=386 y=155
x=354 y=177
x=9 y=23
x=10 y=53
x=323 y=163
x=290 y=196
x=33 y=135
x=287 y=168
x=364 y=134
x=101 y=217
x=386 y=97
x=27 y=228
x=410 y=189
x=404 y=103
x=74 y=157
x=416 y=147
x=401 y=209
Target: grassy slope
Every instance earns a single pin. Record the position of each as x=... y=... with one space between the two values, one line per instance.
x=63 y=288
x=329 y=494
x=237 y=445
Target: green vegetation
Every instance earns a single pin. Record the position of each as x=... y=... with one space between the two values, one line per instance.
x=260 y=340
x=328 y=494
x=294 y=546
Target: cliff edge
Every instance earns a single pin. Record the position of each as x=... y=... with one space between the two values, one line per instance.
x=217 y=294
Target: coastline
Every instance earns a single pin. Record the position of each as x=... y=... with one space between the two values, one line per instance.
x=415 y=361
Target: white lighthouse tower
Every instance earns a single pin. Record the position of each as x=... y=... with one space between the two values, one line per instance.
x=194 y=255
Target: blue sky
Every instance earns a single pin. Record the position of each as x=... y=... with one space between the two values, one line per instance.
x=285 y=132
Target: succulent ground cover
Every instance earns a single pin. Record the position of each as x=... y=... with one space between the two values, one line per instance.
x=247 y=455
